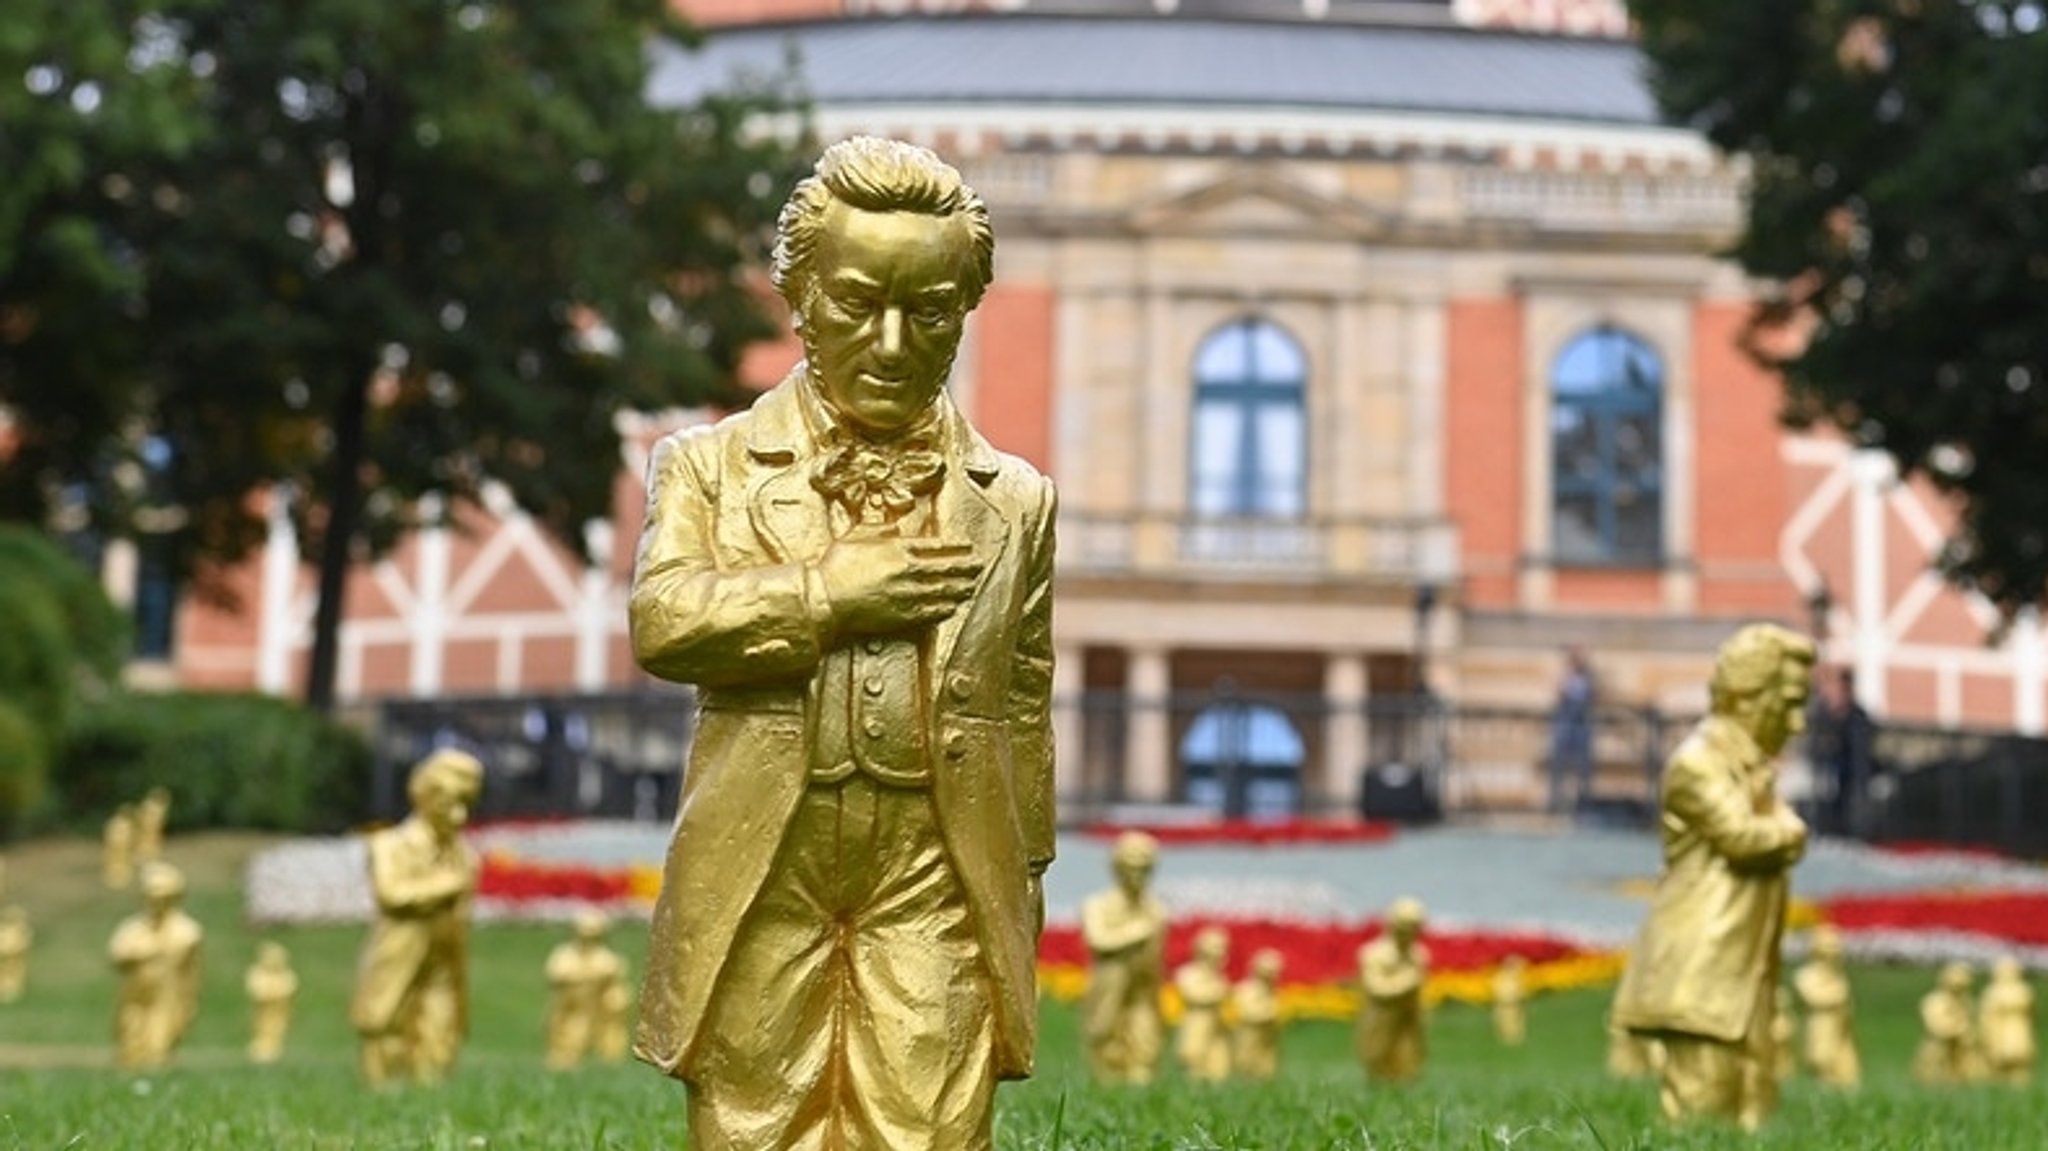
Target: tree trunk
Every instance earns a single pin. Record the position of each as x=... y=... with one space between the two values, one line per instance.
x=344 y=508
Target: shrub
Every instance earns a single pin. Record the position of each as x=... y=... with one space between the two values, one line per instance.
x=24 y=765
x=227 y=760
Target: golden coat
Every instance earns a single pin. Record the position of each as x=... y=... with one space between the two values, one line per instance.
x=413 y=929
x=1710 y=945
x=719 y=600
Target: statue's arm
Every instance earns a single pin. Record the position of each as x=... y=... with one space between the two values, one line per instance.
x=1030 y=703
x=1708 y=798
x=695 y=622
x=405 y=890
x=1106 y=932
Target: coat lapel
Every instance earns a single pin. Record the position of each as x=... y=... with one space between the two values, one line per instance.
x=788 y=514
x=964 y=511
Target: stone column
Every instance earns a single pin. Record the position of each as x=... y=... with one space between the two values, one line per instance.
x=1344 y=727
x=1148 y=738
x=1070 y=753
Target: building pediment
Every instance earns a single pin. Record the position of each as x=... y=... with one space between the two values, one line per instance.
x=1254 y=200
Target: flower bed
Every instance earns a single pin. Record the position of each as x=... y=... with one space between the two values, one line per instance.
x=1253 y=832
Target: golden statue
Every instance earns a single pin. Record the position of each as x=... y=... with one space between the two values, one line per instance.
x=1202 y=1043
x=150 y=816
x=1948 y=1039
x=1632 y=1056
x=1125 y=930
x=411 y=1004
x=1392 y=970
x=844 y=950
x=1823 y=987
x=117 y=849
x=1702 y=973
x=271 y=986
x=615 y=1010
x=16 y=936
x=1511 y=1002
x=2005 y=1024
x=1255 y=1001
x=157 y=954
x=1784 y=1036
x=580 y=973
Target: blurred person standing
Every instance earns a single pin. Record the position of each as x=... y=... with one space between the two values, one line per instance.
x=1571 y=734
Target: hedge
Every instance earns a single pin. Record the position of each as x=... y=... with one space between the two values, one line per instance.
x=228 y=761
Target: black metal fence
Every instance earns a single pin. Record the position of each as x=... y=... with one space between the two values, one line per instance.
x=1236 y=754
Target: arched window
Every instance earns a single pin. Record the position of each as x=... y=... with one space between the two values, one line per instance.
x=1243 y=760
x=1249 y=455
x=1607 y=450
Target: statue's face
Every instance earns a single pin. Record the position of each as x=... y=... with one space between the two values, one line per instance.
x=1132 y=875
x=1781 y=709
x=882 y=311
x=445 y=804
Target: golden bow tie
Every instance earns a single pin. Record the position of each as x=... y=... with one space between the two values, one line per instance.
x=875 y=482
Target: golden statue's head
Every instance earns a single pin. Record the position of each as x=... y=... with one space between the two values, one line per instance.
x=1825 y=943
x=1212 y=945
x=1954 y=977
x=272 y=954
x=162 y=886
x=1514 y=964
x=443 y=787
x=1132 y=860
x=881 y=253
x=1762 y=675
x=591 y=925
x=2007 y=969
x=1404 y=920
x=1266 y=964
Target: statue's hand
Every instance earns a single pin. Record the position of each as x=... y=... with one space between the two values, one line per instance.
x=877 y=586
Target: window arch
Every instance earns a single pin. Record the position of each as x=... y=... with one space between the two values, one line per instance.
x=1249 y=455
x=1243 y=759
x=1607 y=450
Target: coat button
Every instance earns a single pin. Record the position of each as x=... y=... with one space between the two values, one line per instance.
x=872 y=685
x=961 y=685
x=875 y=646
x=873 y=727
x=956 y=744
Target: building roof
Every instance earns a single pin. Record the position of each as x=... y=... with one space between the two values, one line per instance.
x=1178 y=62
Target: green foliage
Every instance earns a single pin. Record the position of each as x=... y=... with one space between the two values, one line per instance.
x=1900 y=197
x=97 y=632
x=378 y=252
x=24 y=765
x=59 y=637
x=228 y=761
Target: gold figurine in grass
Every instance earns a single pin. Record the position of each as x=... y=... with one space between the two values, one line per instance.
x=1125 y=930
x=16 y=937
x=1255 y=1002
x=1392 y=971
x=271 y=986
x=411 y=1003
x=2005 y=1024
x=150 y=816
x=156 y=953
x=843 y=952
x=1202 y=1042
x=581 y=972
x=117 y=849
x=1948 y=1051
x=1703 y=974
x=1511 y=1002
x=614 y=1021
x=1829 y=1050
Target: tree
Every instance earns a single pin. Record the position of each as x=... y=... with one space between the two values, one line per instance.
x=420 y=249
x=1899 y=199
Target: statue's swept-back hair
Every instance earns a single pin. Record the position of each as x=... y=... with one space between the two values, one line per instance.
x=1753 y=660
x=459 y=768
x=878 y=175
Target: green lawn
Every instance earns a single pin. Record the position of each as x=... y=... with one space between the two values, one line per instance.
x=57 y=1090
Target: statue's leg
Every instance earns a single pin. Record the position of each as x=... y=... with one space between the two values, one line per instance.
x=920 y=1055
x=1701 y=1078
x=770 y=1044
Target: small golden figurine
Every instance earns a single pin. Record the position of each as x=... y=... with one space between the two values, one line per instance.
x=150 y=816
x=1510 y=1002
x=411 y=1004
x=156 y=953
x=1392 y=971
x=844 y=949
x=1948 y=1040
x=16 y=936
x=614 y=1021
x=1202 y=1043
x=2005 y=1024
x=1255 y=1001
x=117 y=849
x=1784 y=1036
x=1703 y=971
x=1125 y=930
x=271 y=986
x=1830 y=1051
x=580 y=973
